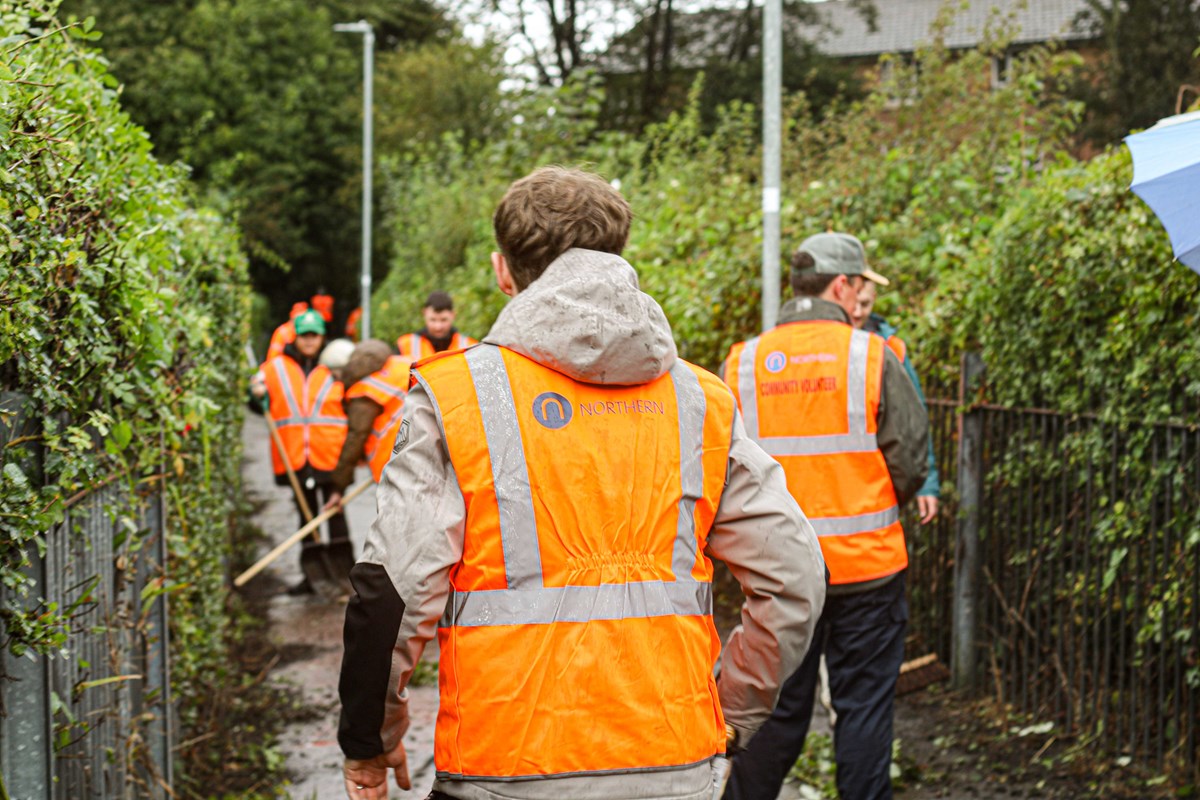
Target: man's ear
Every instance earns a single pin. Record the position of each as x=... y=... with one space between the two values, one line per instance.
x=504 y=278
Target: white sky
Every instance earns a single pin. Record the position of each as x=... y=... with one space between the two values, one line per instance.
x=607 y=17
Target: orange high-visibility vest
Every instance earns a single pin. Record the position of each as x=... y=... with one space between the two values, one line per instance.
x=387 y=387
x=352 y=323
x=578 y=636
x=308 y=413
x=809 y=394
x=897 y=346
x=415 y=346
x=281 y=337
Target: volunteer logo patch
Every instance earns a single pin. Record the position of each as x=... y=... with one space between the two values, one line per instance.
x=552 y=410
x=401 y=437
x=775 y=362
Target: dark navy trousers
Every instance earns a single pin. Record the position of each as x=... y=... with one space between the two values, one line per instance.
x=862 y=636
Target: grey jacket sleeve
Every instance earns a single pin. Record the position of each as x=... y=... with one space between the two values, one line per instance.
x=767 y=543
x=402 y=582
x=903 y=429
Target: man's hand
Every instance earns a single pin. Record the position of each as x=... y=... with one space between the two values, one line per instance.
x=334 y=501
x=927 y=507
x=367 y=780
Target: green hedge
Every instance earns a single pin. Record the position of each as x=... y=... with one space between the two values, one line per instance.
x=122 y=312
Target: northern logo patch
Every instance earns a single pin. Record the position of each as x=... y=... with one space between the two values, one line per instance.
x=552 y=410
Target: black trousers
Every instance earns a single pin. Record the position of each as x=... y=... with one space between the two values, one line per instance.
x=862 y=637
x=317 y=497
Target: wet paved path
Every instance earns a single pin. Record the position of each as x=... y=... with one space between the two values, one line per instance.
x=307 y=630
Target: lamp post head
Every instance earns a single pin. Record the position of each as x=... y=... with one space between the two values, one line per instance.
x=362 y=26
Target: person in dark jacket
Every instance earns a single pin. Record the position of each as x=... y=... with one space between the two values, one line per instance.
x=865 y=318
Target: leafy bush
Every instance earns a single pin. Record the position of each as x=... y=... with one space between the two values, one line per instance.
x=1075 y=301
x=122 y=311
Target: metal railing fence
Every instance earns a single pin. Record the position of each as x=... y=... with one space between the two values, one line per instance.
x=94 y=720
x=1087 y=602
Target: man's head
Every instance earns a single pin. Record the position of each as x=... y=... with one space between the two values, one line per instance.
x=547 y=213
x=833 y=267
x=310 y=333
x=864 y=306
x=439 y=314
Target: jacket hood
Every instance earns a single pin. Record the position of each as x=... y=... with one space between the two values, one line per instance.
x=586 y=318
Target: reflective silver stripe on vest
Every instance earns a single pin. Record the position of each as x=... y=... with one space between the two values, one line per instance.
x=691 y=407
x=609 y=601
x=388 y=389
x=819 y=445
x=858 y=523
x=314 y=415
x=748 y=388
x=397 y=415
x=510 y=473
x=295 y=415
x=856 y=382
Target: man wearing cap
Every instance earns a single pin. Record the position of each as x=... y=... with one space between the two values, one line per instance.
x=439 y=334
x=305 y=401
x=285 y=334
x=834 y=406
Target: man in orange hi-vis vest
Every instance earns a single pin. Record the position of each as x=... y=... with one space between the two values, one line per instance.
x=835 y=407
x=549 y=512
x=285 y=334
x=305 y=400
x=439 y=334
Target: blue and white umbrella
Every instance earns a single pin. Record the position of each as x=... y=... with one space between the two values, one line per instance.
x=1166 y=174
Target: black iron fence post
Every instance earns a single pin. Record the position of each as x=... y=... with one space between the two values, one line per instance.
x=966 y=560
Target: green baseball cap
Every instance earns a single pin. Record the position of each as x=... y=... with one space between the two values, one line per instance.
x=309 y=322
x=839 y=254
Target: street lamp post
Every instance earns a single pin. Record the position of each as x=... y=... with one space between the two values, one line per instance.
x=772 y=136
x=368 y=34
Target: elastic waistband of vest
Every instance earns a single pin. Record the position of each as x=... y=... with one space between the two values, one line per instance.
x=444 y=775
x=610 y=601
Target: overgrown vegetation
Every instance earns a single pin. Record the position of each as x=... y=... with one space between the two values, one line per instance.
x=122 y=309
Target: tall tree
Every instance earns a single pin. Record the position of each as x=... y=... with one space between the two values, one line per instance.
x=1150 y=54
x=263 y=100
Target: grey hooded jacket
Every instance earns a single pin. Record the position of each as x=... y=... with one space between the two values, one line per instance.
x=586 y=318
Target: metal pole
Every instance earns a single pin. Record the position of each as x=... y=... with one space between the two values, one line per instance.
x=364 y=27
x=772 y=135
x=368 y=106
x=970 y=489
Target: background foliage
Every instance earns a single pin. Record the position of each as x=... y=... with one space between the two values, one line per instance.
x=122 y=311
x=262 y=100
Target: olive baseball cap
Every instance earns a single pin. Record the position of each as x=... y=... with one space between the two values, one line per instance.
x=309 y=322
x=839 y=254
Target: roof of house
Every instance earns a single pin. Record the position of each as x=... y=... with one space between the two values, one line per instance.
x=903 y=25
x=840 y=30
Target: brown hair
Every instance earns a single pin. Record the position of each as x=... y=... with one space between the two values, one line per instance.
x=805 y=282
x=552 y=210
